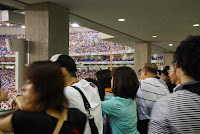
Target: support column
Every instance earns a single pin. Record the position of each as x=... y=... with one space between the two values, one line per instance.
x=47 y=27
x=142 y=55
x=168 y=58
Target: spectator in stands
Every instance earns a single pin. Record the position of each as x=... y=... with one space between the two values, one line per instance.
x=166 y=79
x=173 y=76
x=121 y=108
x=179 y=112
x=43 y=104
x=149 y=91
x=68 y=68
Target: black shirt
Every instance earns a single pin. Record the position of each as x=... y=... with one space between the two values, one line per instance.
x=25 y=122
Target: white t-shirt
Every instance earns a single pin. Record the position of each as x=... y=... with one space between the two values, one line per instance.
x=92 y=95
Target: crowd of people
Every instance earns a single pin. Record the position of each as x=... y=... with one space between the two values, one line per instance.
x=135 y=106
x=3 y=49
x=7 y=78
x=104 y=59
x=90 y=42
x=83 y=74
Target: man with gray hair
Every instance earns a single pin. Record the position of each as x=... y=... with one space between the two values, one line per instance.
x=150 y=90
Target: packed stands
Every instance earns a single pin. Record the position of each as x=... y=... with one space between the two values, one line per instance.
x=98 y=59
x=83 y=74
x=90 y=41
x=7 y=77
x=3 y=49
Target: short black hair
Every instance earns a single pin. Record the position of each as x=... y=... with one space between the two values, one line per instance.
x=104 y=77
x=125 y=82
x=165 y=71
x=187 y=56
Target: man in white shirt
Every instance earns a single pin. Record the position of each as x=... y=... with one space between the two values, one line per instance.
x=150 y=90
x=90 y=91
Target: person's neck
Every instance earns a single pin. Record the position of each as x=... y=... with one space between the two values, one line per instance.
x=185 y=79
x=70 y=81
x=177 y=83
x=150 y=76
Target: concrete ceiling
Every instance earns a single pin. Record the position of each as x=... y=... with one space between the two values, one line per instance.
x=170 y=20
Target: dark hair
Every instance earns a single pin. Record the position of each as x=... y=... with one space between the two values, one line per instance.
x=125 y=82
x=187 y=56
x=139 y=72
x=165 y=71
x=99 y=86
x=48 y=83
x=104 y=76
x=67 y=62
x=151 y=67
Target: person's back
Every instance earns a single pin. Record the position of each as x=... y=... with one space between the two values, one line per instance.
x=74 y=97
x=179 y=112
x=42 y=123
x=91 y=93
x=149 y=91
x=121 y=108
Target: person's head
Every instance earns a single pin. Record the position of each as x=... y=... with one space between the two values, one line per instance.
x=172 y=74
x=67 y=64
x=124 y=82
x=148 y=70
x=44 y=86
x=165 y=74
x=187 y=58
x=104 y=76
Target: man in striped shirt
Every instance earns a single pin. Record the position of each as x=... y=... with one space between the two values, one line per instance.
x=150 y=90
x=179 y=112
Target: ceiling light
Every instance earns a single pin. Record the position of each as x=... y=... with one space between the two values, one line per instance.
x=196 y=25
x=8 y=24
x=154 y=36
x=75 y=25
x=23 y=26
x=170 y=45
x=11 y=24
x=121 y=19
x=0 y=24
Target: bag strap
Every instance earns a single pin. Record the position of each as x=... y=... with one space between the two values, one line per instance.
x=92 y=124
x=86 y=103
x=62 y=117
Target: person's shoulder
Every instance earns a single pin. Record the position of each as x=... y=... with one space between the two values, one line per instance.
x=75 y=115
x=25 y=116
x=165 y=100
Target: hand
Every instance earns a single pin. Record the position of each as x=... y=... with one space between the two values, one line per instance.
x=3 y=96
